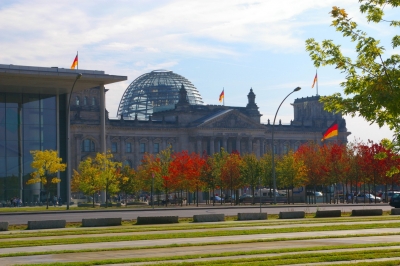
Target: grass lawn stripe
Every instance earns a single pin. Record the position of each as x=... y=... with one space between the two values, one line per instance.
x=82 y=240
x=224 y=254
x=272 y=260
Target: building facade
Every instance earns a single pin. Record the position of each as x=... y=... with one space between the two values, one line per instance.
x=187 y=125
x=34 y=116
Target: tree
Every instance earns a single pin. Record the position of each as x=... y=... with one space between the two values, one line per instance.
x=109 y=173
x=87 y=179
x=231 y=174
x=251 y=171
x=290 y=172
x=47 y=164
x=372 y=86
x=129 y=182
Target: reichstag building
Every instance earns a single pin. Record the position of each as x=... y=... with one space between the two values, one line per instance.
x=162 y=108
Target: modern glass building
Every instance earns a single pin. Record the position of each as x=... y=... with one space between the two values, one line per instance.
x=155 y=91
x=34 y=103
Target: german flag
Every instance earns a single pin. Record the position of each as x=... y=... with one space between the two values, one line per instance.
x=315 y=80
x=75 y=63
x=221 y=96
x=332 y=131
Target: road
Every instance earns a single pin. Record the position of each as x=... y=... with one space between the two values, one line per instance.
x=132 y=214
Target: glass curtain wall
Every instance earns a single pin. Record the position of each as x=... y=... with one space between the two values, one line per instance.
x=27 y=122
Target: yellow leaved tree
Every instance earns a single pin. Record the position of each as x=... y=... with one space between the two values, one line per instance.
x=47 y=165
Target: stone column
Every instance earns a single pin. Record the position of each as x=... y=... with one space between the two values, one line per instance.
x=212 y=146
x=225 y=143
x=250 y=145
x=78 y=145
x=238 y=145
x=198 y=145
x=122 y=148
x=103 y=147
x=257 y=149
x=136 y=150
x=150 y=149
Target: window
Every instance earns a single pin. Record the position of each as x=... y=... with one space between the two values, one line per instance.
x=142 y=147
x=93 y=101
x=127 y=163
x=285 y=149
x=128 y=147
x=88 y=145
x=77 y=100
x=114 y=147
x=156 y=147
x=85 y=100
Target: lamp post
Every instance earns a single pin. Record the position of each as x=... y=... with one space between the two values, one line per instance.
x=272 y=144
x=68 y=185
x=152 y=188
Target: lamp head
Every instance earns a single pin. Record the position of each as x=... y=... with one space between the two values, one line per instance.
x=79 y=76
x=297 y=89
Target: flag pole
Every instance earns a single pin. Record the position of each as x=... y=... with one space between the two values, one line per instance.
x=77 y=65
x=316 y=73
x=223 y=90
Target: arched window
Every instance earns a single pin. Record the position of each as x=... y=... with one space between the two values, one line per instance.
x=85 y=100
x=88 y=145
x=128 y=163
x=77 y=100
x=93 y=101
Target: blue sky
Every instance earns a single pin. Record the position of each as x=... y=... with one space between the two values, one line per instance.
x=236 y=45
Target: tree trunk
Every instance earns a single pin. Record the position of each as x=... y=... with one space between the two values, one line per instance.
x=48 y=196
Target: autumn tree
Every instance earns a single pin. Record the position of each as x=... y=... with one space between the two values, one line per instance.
x=109 y=173
x=219 y=159
x=150 y=173
x=231 y=174
x=266 y=170
x=313 y=159
x=251 y=171
x=100 y=173
x=47 y=165
x=290 y=172
x=372 y=85
x=87 y=180
x=129 y=182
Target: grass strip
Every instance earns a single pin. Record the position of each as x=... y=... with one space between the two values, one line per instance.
x=82 y=240
x=225 y=254
x=287 y=259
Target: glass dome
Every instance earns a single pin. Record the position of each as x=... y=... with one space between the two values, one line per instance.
x=155 y=91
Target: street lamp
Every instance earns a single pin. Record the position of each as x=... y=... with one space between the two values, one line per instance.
x=68 y=185
x=152 y=188
x=272 y=144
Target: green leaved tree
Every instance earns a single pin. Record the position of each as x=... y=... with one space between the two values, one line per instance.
x=372 y=85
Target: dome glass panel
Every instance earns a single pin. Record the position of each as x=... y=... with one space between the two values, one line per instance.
x=155 y=91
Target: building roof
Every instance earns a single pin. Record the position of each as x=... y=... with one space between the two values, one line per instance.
x=155 y=91
x=51 y=80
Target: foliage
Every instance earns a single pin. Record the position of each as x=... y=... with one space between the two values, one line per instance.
x=372 y=86
x=129 y=181
x=100 y=173
x=47 y=164
x=251 y=171
x=231 y=174
x=290 y=172
x=87 y=179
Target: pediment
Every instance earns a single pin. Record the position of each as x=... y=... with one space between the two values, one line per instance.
x=232 y=119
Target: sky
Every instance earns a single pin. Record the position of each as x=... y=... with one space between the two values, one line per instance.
x=226 y=44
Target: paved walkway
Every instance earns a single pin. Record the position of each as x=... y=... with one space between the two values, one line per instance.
x=150 y=252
